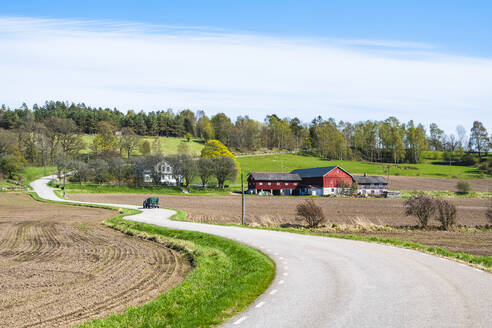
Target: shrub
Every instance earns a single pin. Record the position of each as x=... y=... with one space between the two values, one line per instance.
x=489 y=212
x=423 y=207
x=463 y=187
x=311 y=213
x=446 y=213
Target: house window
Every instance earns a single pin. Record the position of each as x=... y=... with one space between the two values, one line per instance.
x=295 y=183
x=278 y=183
x=338 y=171
x=261 y=183
x=331 y=182
x=269 y=183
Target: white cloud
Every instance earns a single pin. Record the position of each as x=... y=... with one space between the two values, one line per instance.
x=137 y=66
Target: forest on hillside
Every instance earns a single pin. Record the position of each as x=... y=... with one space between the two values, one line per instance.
x=36 y=135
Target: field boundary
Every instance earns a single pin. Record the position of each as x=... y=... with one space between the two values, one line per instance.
x=480 y=262
x=226 y=277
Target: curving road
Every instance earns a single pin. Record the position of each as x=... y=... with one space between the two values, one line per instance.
x=326 y=282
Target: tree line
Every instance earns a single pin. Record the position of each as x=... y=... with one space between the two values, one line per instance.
x=36 y=135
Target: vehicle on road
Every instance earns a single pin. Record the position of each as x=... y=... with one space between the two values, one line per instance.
x=151 y=202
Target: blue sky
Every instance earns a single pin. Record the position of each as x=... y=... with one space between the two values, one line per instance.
x=430 y=61
x=457 y=26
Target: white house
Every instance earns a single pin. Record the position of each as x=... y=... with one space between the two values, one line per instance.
x=166 y=172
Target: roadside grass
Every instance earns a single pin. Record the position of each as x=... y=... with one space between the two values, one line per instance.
x=28 y=175
x=482 y=262
x=445 y=194
x=75 y=188
x=169 y=145
x=289 y=162
x=32 y=173
x=226 y=277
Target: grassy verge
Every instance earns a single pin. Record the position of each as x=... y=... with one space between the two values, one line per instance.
x=226 y=278
x=77 y=188
x=445 y=194
x=483 y=262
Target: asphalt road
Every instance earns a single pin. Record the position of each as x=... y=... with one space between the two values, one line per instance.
x=326 y=282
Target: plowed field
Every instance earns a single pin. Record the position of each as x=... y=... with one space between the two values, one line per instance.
x=59 y=266
x=275 y=210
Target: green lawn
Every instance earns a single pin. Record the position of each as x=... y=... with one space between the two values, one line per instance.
x=32 y=173
x=76 y=188
x=289 y=162
x=168 y=145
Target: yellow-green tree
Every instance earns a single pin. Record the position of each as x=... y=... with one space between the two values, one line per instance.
x=215 y=148
x=105 y=138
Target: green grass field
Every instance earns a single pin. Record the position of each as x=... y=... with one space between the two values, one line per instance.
x=168 y=145
x=29 y=174
x=289 y=162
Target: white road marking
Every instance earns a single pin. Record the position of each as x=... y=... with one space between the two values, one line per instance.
x=286 y=268
x=238 y=321
x=276 y=254
x=281 y=258
x=259 y=305
x=286 y=274
x=477 y=269
x=280 y=282
x=273 y=292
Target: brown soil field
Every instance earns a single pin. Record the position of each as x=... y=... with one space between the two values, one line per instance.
x=416 y=183
x=60 y=266
x=276 y=210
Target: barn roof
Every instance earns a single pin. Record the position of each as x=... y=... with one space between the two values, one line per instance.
x=316 y=172
x=375 y=179
x=275 y=176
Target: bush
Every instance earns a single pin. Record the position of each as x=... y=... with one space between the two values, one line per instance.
x=423 y=207
x=489 y=212
x=311 y=213
x=463 y=187
x=446 y=213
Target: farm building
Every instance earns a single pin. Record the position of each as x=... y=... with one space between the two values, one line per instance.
x=329 y=180
x=371 y=185
x=273 y=183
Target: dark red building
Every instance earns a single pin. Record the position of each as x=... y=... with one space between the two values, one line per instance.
x=273 y=182
x=327 y=180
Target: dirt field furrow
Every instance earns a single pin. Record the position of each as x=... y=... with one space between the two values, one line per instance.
x=59 y=266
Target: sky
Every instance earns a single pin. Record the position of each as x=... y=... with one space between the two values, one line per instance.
x=430 y=61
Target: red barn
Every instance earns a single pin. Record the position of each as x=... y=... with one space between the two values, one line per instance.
x=323 y=180
x=273 y=182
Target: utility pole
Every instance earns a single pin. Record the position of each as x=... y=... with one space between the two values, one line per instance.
x=242 y=199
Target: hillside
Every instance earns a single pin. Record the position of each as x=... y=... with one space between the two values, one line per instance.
x=289 y=162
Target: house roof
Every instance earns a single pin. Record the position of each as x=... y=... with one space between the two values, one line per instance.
x=375 y=179
x=316 y=172
x=275 y=176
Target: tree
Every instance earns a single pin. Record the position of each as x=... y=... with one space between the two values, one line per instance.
x=105 y=138
x=99 y=169
x=446 y=213
x=82 y=171
x=145 y=148
x=423 y=207
x=436 y=137
x=156 y=146
x=204 y=169
x=10 y=164
x=128 y=141
x=205 y=128
x=311 y=213
x=479 y=138
x=176 y=164
x=223 y=127
x=215 y=148
x=224 y=168
x=189 y=168
x=116 y=165
x=463 y=187
x=461 y=133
